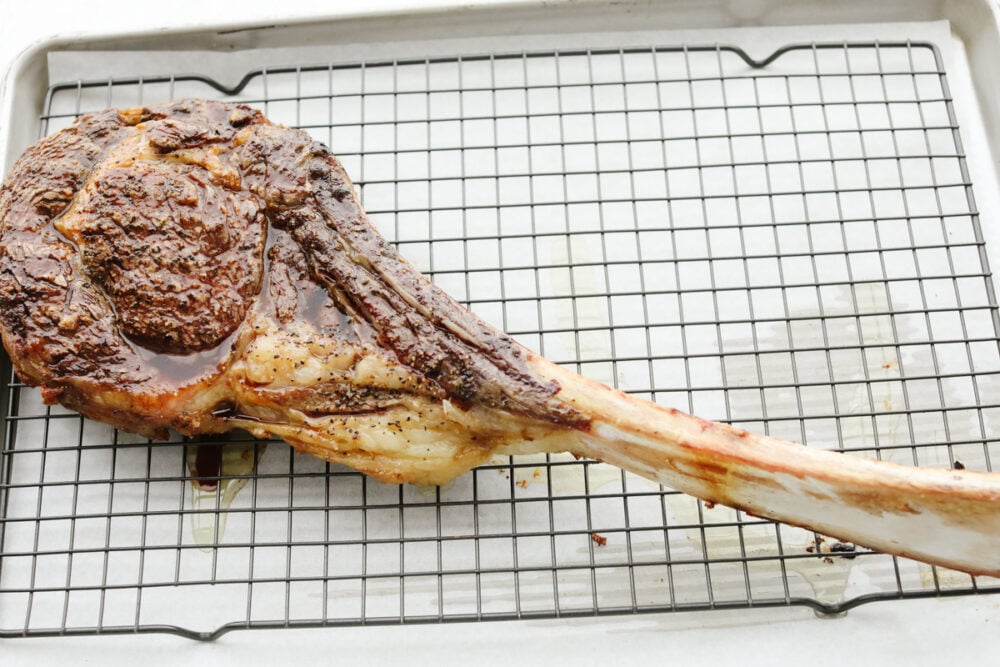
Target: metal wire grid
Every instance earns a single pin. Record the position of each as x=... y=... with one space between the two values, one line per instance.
x=791 y=245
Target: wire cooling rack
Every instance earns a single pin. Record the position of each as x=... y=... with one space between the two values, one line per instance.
x=791 y=245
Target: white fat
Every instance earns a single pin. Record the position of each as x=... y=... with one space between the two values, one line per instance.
x=279 y=360
x=373 y=370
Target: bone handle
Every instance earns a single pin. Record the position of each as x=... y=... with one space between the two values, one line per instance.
x=943 y=517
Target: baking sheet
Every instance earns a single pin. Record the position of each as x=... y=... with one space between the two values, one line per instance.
x=427 y=598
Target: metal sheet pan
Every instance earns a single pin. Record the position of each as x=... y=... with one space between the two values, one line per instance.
x=539 y=188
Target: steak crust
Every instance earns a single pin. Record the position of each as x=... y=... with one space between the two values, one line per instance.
x=140 y=249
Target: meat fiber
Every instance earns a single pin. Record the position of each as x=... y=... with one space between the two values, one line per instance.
x=192 y=266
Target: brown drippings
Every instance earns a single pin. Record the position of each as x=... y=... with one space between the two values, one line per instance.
x=207 y=466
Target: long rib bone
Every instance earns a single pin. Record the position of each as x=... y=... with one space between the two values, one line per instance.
x=940 y=516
